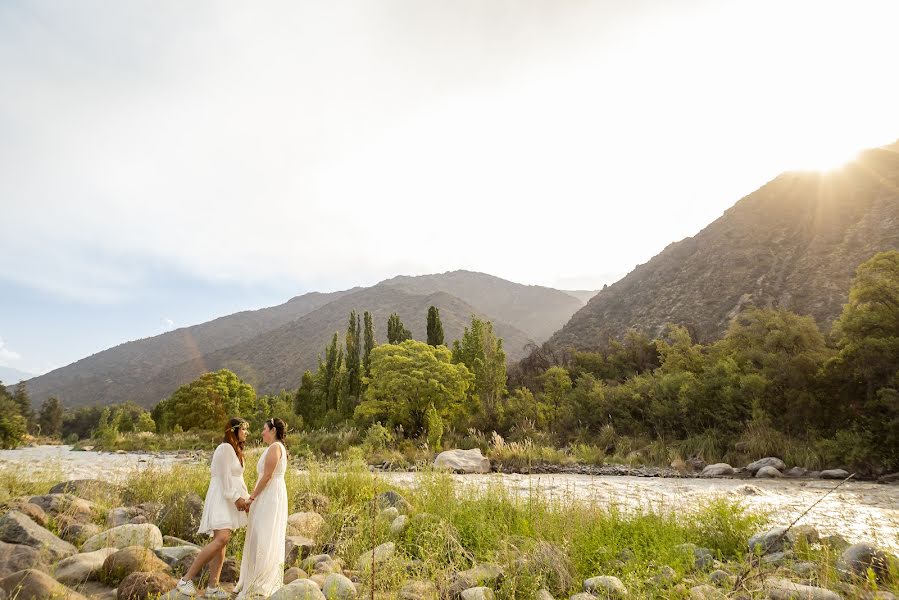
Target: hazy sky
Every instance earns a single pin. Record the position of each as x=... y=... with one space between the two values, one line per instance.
x=163 y=163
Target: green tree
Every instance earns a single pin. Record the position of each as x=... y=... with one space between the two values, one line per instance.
x=331 y=376
x=369 y=342
x=353 y=365
x=50 y=418
x=23 y=401
x=206 y=403
x=145 y=423
x=12 y=424
x=435 y=327
x=396 y=331
x=482 y=352
x=307 y=403
x=406 y=380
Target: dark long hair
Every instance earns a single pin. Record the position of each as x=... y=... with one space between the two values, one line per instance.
x=231 y=437
x=280 y=428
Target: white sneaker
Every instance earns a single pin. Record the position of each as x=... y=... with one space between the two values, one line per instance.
x=215 y=592
x=186 y=587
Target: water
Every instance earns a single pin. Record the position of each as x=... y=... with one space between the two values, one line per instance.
x=859 y=511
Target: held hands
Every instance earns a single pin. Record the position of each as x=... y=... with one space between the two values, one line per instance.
x=243 y=504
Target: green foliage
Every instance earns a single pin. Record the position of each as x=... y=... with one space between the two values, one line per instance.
x=369 y=343
x=50 y=418
x=13 y=426
x=435 y=327
x=206 y=403
x=482 y=352
x=23 y=401
x=396 y=332
x=434 y=426
x=406 y=379
x=353 y=384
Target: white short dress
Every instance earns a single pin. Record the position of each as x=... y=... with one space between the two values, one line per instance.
x=225 y=487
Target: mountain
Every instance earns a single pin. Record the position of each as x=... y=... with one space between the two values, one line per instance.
x=10 y=376
x=793 y=244
x=536 y=310
x=271 y=347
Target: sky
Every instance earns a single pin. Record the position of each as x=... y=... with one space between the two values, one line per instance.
x=163 y=163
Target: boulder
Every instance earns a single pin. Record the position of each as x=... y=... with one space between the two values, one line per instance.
x=718 y=470
x=721 y=578
x=768 y=473
x=702 y=557
x=74 y=531
x=294 y=573
x=16 y=528
x=705 y=592
x=338 y=587
x=77 y=569
x=605 y=586
x=305 y=524
x=299 y=589
x=796 y=472
x=380 y=554
x=419 y=590
x=146 y=535
x=768 y=542
x=664 y=578
x=833 y=474
x=133 y=559
x=398 y=526
x=145 y=586
x=582 y=596
x=171 y=556
x=73 y=506
x=170 y=541
x=784 y=589
x=321 y=563
x=31 y=584
x=296 y=548
x=19 y=557
x=477 y=593
x=392 y=499
x=486 y=574
x=87 y=489
x=890 y=478
x=770 y=461
x=463 y=461
x=29 y=509
x=858 y=558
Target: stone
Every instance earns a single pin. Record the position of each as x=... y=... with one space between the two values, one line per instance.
x=770 y=461
x=705 y=592
x=804 y=569
x=296 y=548
x=29 y=509
x=87 y=489
x=121 y=515
x=664 y=578
x=338 y=587
x=702 y=557
x=146 y=535
x=477 y=593
x=486 y=574
x=72 y=506
x=858 y=558
x=294 y=573
x=299 y=589
x=778 y=558
x=18 y=557
x=32 y=584
x=145 y=586
x=463 y=461
x=833 y=474
x=171 y=541
x=305 y=524
x=721 y=578
x=784 y=589
x=835 y=542
x=419 y=590
x=380 y=554
x=75 y=532
x=16 y=528
x=398 y=526
x=796 y=472
x=582 y=596
x=768 y=542
x=803 y=535
x=132 y=559
x=321 y=563
x=605 y=586
x=172 y=556
x=748 y=490
x=319 y=579
x=718 y=470
x=890 y=478
x=392 y=499
x=626 y=555
x=768 y=473
x=77 y=569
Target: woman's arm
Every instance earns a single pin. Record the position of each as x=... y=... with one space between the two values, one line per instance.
x=222 y=461
x=271 y=461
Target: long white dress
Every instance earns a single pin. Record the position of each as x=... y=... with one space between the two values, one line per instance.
x=262 y=564
x=225 y=487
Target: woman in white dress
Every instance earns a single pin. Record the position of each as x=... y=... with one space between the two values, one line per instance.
x=224 y=511
x=262 y=565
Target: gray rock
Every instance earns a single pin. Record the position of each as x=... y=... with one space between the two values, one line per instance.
x=721 y=578
x=836 y=542
x=31 y=584
x=296 y=548
x=29 y=509
x=463 y=461
x=75 y=532
x=771 y=461
x=389 y=514
x=380 y=554
x=72 y=506
x=146 y=535
x=87 y=489
x=299 y=589
x=477 y=593
x=718 y=470
x=305 y=524
x=294 y=573
x=121 y=515
x=664 y=578
x=133 y=559
x=833 y=474
x=77 y=569
x=805 y=569
x=768 y=542
x=419 y=590
x=544 y=594
x=173 y=542
x=392 y=499
x=582 y=596
x=626 y=555
x=16 y=528
x=321 y=563
x=605 y=586
x=858 y=558
x=18 y=557
x=399 y=524
x=891 y=478
x=796 y=472
x=768 y=473
x=778 y=558
x=705 y=592
x=784 y=589
x=338 y=587
x=172 y=556
x=486 y=574
x=702 y=557
x=145 y=586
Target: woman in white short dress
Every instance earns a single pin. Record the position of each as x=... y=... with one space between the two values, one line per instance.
x=262 y=565
x=224 y=511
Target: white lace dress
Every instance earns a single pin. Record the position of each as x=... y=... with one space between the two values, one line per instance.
x=225 y=487
x=262 y=564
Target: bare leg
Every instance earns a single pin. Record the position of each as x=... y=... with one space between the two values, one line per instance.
x=215 y=567
x=210 y=551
